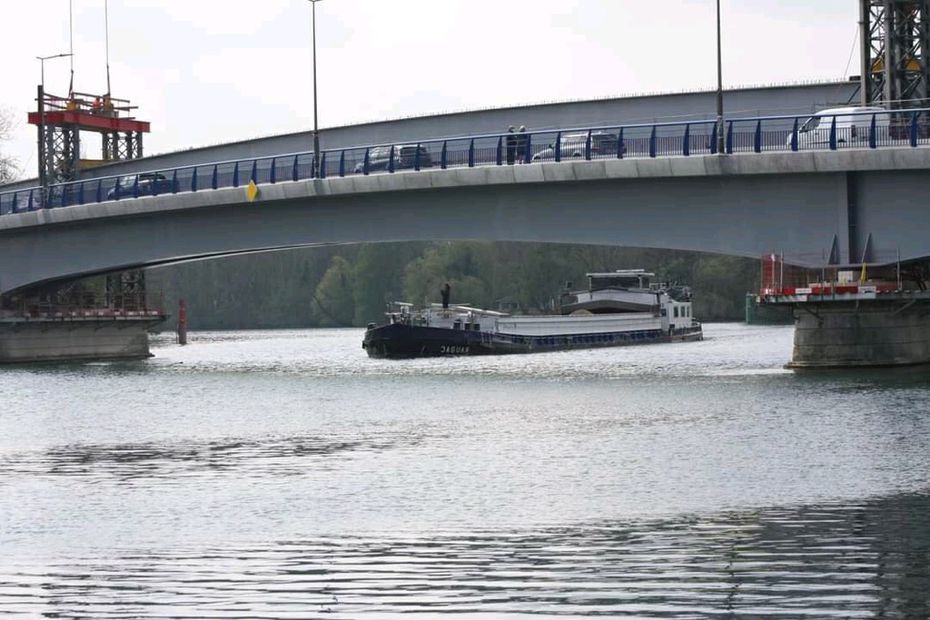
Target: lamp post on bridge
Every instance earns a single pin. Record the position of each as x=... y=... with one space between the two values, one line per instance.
x=43 y=180
x=720 y=141
x=315 y=172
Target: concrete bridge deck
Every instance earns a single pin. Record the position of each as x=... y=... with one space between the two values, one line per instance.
x=744 y=205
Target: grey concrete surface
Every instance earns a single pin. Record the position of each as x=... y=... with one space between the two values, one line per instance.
x=50 y=340
x=745 y=205
x=876 y=333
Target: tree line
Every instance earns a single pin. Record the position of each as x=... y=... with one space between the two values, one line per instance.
x=352 y=285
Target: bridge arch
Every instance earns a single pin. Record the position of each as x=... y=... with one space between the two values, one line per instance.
x=794 y=203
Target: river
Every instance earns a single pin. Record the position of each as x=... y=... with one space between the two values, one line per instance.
x=279 y=474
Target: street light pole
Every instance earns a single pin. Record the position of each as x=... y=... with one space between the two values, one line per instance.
x=720 y=141
x=43 y=180
x=316 y=127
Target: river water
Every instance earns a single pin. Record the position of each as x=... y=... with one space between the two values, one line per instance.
x=281 y=474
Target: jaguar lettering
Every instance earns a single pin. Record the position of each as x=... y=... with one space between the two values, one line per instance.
x=450 y=349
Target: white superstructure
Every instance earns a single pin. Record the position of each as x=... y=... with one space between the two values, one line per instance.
x=621 y=301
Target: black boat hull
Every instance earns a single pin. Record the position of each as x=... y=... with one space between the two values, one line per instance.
x=407 y=341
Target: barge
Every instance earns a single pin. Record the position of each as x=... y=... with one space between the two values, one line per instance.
x=618 y=308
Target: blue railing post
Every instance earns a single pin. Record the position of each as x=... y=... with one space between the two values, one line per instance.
x=135 y=187
x=757 y=138
x=194 y=180
x=29 y=203
x=686 y=141
x=116 y=189
x=652 y=142
x=13 y=207
x=391 y=160
x=236 y=175
x=794 y=136
x=528 y=148
x=621 y=146
x=713 y=138
x=215 y=181
x=99 y=195
x=471 y=153
x=914 y=128
x=366 y=162
x=416 y=159
x=558 y=146
x=587 y=146
x=81 y=193
x=872 y=141
x=253 y=177
x=342 y=163
x=174 y=182
x=295 y=169
x=500 y=148
x=443 y=156
x=323 y=165
x=729 y=144
x=833 y=134
x=273 y=175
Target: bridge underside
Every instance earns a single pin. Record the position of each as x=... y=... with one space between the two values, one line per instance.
x=737 y=207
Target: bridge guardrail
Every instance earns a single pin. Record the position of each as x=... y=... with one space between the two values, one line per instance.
x=817 y=132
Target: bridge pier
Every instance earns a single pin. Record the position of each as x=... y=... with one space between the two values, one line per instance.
x=871 y=314
x=27 y=340
x=887 y=332
x=78 y=321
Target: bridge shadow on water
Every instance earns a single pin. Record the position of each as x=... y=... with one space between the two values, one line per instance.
x=866 y=559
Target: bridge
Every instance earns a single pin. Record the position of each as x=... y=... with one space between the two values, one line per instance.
x=838 y=185
x=778 y=188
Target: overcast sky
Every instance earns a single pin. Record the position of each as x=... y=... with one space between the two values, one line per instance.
x=209 y=71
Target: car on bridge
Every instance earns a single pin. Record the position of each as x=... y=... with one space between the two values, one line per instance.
x=572 y=145
x=405 y=157
x=150 y=184
x=853 y=126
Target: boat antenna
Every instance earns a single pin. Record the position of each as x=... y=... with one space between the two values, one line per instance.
x=106 y=30
x=71 y=46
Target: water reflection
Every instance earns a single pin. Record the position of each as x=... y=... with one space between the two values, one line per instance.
x=264 y=457
x=831 y=560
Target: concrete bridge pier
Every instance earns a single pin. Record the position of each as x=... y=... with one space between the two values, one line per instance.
x=862 y=333
x=79 y=320
x=77 y=338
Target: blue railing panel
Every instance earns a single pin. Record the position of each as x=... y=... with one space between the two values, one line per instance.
x=868 y=129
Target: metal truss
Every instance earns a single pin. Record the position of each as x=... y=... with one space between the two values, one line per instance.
x=895 y=45
x=121 y=146
x=61 y=153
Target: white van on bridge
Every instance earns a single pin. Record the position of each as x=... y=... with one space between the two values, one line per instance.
x=853 y=125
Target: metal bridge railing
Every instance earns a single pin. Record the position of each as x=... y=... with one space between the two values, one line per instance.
x=86 y=305
x=818 y=132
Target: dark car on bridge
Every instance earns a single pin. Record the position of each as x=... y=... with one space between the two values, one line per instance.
x=572 y=145
x=150 y=184
x=405 y=157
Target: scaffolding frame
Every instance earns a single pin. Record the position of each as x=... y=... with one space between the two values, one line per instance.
x=895 y=47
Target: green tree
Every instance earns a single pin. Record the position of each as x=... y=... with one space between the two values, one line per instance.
x=466 y=266
x=334 y=300
x=379 y=277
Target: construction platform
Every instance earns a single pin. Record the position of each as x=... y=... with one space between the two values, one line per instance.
x=68 y=335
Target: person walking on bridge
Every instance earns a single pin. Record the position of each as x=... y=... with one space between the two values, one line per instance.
x=522 y=140
x=511 y=146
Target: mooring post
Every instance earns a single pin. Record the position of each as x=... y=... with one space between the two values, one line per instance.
x=182 y=322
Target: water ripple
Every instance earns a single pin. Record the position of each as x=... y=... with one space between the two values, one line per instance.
x=260 y=458
x=841 y=561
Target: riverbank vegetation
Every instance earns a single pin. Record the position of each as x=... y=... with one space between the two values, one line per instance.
x=351 y=285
